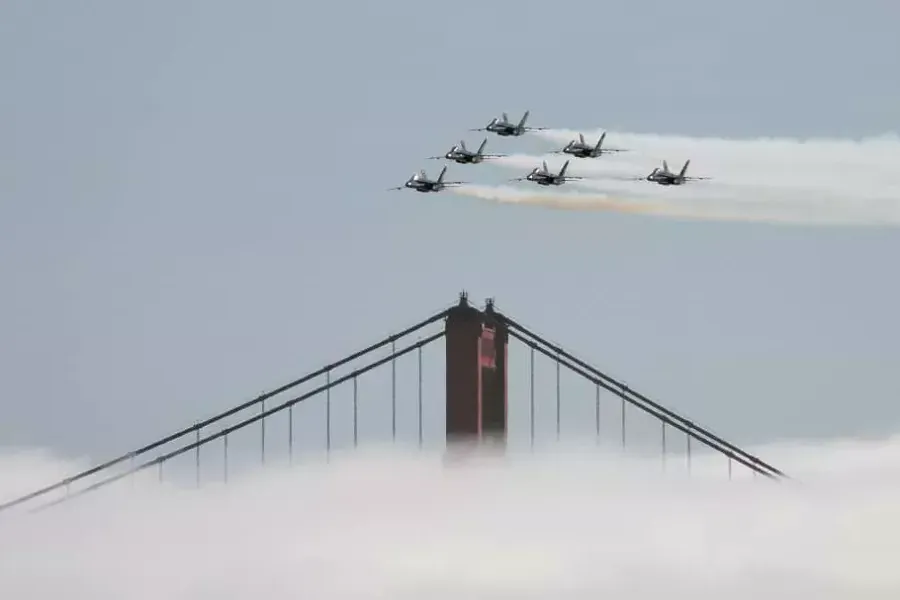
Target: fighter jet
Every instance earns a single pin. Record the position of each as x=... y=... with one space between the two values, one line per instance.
x=503 y=127
x=542 y=176
x=580 y=149
x=420 y=182
x=459 y=153
x=663 y=176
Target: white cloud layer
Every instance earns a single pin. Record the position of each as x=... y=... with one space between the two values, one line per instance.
x=570 y=523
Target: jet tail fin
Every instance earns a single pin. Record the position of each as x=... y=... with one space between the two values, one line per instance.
x=600 y=141
x=481 y=147
x=562 y=171
x=440 y=178
x=581 y=138
x=524 y=118
x=684 y=168
x=462 y=145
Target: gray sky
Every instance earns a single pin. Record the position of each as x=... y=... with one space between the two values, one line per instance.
x=192 y=205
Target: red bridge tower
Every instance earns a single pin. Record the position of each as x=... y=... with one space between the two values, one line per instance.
x=476 y=347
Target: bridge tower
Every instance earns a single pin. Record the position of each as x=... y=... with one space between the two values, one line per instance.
x=476 y=371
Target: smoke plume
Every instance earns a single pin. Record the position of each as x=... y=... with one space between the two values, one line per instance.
x=824 y=182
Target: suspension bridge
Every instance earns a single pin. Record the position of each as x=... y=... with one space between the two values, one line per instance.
x=482 y=348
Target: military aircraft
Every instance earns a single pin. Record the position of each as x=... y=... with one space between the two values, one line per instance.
x=580 y=149
x=459 y=153
x=542 y=176
x=503 y=127
x=663 y=176
x=420 y=182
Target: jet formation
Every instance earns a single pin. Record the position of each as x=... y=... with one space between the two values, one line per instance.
x=541 y=175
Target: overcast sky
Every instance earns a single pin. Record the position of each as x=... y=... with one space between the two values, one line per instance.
x=193 y=206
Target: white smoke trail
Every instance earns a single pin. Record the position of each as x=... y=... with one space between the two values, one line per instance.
x=788 y=181
x=685 y=204
x=790 y=154
x=572 y=524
